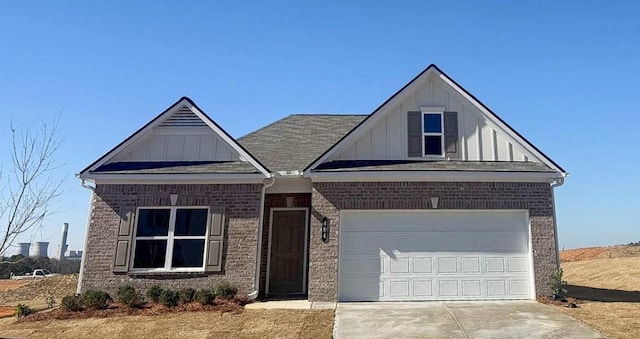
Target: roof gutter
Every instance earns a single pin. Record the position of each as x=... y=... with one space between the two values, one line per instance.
x=256 y=285
x=556 y=183
x=86 y=231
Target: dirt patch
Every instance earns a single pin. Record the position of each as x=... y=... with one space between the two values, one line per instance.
x=591 y=253
x=248 y=324
x=7 y=311
x=58 y=286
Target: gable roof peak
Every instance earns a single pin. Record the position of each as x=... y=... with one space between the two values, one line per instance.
x=462 y=91
x=165 y=115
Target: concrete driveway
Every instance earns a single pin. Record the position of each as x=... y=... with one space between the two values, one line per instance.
x=519 y=319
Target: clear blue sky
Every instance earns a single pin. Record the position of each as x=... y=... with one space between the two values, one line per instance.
x=565 y=74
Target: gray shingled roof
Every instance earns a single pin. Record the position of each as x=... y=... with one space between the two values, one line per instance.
x=443 y=165
x=294 y=142
x=177 y=167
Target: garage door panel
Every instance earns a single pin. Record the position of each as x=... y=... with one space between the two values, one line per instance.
x=495 y=264
x=518 y=264
x=471 y=288
x=425 y=258
x=470 y=265
x=422 y=265
x=447 y=265
x=519 y=287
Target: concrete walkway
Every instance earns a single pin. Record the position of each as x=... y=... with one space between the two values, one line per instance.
x=291 y=305
x=520 y=319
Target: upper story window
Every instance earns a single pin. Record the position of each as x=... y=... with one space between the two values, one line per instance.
x=170 y=238
x=432 y=134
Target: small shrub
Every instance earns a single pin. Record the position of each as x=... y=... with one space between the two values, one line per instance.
x=205 y=297
x=23 y=310
x=226 y=290
x=50 y=300
x=154 y=292
x=71 y=303
x=129 y=296
x=95 y=300
x=558 y=285
x=169 y=298
x=186 y=295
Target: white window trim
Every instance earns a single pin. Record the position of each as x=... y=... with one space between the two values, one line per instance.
x=441 y=134
x=170 y=240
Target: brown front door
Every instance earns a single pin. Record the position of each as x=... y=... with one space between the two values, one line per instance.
x=286 y=266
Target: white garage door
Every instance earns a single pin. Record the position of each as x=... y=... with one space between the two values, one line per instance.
x=434 y=255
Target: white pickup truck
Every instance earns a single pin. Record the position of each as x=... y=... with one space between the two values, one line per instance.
x=36 y=274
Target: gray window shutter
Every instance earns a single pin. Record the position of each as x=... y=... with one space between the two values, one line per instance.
x=216 y=237
x=451 y=143
x=414 y=132
x=125 y=234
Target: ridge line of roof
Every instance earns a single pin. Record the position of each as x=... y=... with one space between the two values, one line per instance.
x=329 y=114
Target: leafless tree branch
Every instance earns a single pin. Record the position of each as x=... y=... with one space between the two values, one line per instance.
x=31 y=188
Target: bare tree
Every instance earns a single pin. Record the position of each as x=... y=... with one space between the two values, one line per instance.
x=29 y=190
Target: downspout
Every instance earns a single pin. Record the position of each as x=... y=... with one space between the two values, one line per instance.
x=86 y=232
x=256 y=285
x=556 y=183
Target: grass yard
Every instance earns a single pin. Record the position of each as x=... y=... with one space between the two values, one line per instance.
x=609 y=294
x=248 y=324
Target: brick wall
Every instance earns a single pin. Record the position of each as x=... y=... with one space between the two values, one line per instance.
x=239 y=253
x=329 y=198
x=271 y=201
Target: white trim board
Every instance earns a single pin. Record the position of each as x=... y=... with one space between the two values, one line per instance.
x=460 y=176
x=171 y=178
x=306 y=246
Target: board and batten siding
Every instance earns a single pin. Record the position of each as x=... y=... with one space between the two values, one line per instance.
x=179 y=143
x=479 y=139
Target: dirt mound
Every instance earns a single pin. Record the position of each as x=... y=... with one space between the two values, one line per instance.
x=58 y=286
x=590 y=253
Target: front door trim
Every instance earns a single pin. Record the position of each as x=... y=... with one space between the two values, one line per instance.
x=306 y=241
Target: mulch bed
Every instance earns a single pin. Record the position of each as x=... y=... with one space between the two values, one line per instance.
x=235 y=305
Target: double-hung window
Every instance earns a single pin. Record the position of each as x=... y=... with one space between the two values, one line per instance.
x=170 y=238
x=432 y=134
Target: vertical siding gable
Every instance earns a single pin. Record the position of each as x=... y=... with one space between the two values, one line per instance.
x=479 y=139
x=179 y=138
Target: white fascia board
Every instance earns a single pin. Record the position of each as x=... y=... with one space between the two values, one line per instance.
x=374 y=117
x=228 y=140
x=147 y=179
x=506 y=129
x=173 y=178
x=135 y=137
x=433 y=176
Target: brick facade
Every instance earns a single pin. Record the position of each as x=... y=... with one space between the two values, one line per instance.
x=326 y=200
x=329 y=198
x=239 y=253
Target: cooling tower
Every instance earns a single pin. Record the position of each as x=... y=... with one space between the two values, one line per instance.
x=23 y=248
x=40 y=249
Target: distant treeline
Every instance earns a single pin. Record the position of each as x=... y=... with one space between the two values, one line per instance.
x=637 y=243
x=19 y=265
